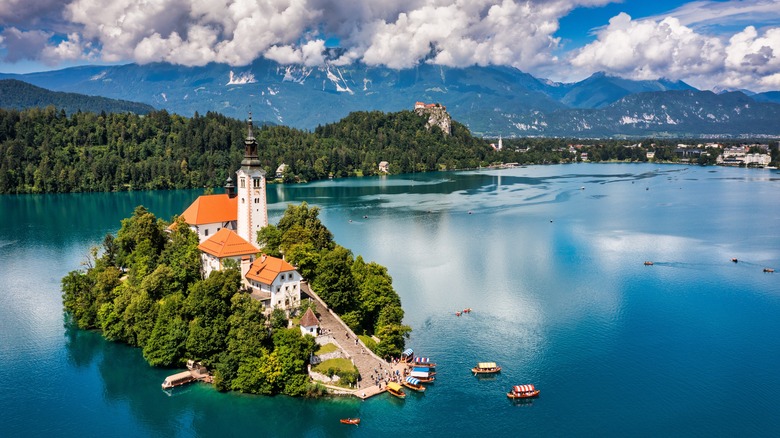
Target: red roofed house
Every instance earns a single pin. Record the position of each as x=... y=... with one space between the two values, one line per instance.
x=226 y=244
x=274 y=282
x=211 y=213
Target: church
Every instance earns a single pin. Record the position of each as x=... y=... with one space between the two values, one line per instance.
x=227 y=227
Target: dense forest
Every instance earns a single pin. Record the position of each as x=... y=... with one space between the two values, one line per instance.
x=48 y=151
x=144 y=288
x=19 y=95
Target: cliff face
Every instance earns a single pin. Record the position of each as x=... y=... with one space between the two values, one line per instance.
x=437 y=116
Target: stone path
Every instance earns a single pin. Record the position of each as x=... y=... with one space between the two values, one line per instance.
x=363 y=358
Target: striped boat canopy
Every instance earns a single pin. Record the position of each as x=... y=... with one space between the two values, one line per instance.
x=422 y=360
x=408 y=352
x=486 y=365
x=523 y=388
x=412 y=380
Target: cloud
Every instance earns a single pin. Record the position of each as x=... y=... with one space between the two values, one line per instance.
x=24 y=13
x=21 y=45
x=701 y=15
x=397 y=34
x=648 y=49
x=401 y=34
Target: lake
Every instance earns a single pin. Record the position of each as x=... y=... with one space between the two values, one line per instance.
x=550 y=259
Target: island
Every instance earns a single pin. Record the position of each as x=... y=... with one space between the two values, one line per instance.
x=221 y=288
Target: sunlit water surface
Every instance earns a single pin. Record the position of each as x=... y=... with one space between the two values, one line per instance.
x=550 y=259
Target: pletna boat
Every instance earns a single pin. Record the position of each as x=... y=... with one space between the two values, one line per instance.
x=424 y=375
x=413 y=383
x=486 y=368
x=354 y=421
x=522 y=391
x=395 y=389
x=423 y=362
x=407 y=355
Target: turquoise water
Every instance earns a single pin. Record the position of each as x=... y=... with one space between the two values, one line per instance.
x=554 y=274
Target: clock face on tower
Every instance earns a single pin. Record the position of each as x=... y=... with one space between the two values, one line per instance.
x=257 y=192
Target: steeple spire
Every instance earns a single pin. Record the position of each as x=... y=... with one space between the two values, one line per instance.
x=250 y=146
x=249 y=128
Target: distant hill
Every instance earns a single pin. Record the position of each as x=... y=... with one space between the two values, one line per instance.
x=490 y=100
x=769 y=96
x=15 y=94
x=678 y=113
x=601 y=90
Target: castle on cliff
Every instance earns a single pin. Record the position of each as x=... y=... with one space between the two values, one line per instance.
x=437 y=115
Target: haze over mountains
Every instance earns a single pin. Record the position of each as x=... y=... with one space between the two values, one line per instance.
x=491 y=101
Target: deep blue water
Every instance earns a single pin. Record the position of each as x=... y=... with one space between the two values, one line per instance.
x=549 y=257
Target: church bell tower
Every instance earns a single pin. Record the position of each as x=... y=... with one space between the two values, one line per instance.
x=250 y=191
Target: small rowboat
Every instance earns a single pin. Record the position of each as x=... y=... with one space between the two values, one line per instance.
x=486 y=368
x=523 y=391
x=413 y=383
x=734 y=260
x=395 y=389
x=354 y=421
x=769 y=270
x=648 y=263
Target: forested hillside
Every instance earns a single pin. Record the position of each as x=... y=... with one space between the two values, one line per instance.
x=48 y=151
x=21 y=95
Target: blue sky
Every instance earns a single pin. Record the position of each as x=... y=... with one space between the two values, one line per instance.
x=707 y=43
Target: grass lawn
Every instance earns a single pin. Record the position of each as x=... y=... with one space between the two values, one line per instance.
x=338 y=364
x=327 y=348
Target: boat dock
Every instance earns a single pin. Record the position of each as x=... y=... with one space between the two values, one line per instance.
x=367 y=363
x=195 y=373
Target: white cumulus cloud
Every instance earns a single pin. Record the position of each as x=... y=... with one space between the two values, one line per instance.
x=651 y=48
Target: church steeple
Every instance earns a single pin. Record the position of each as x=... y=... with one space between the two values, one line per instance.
x=252 y=210
x=250 y=147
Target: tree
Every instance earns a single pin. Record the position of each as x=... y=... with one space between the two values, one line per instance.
x=334 y=281
x=166 y=345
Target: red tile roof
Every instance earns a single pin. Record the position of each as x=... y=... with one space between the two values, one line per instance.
x=265 y=269
x=211 y=209
x=226 y=243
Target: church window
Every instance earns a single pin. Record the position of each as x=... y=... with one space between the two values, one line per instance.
x=243 y=183
x=256 y=182
x=242 y=200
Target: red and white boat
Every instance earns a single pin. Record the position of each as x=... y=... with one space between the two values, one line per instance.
x=523 y=391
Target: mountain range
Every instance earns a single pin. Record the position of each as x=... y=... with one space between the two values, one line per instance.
x=491 y=100
x=15 y=94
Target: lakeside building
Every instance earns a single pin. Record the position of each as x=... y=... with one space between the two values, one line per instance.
x=740 y=156
x=227 y=226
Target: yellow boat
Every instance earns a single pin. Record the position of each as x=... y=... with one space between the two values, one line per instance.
x=486 y=368
x=395 y=389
